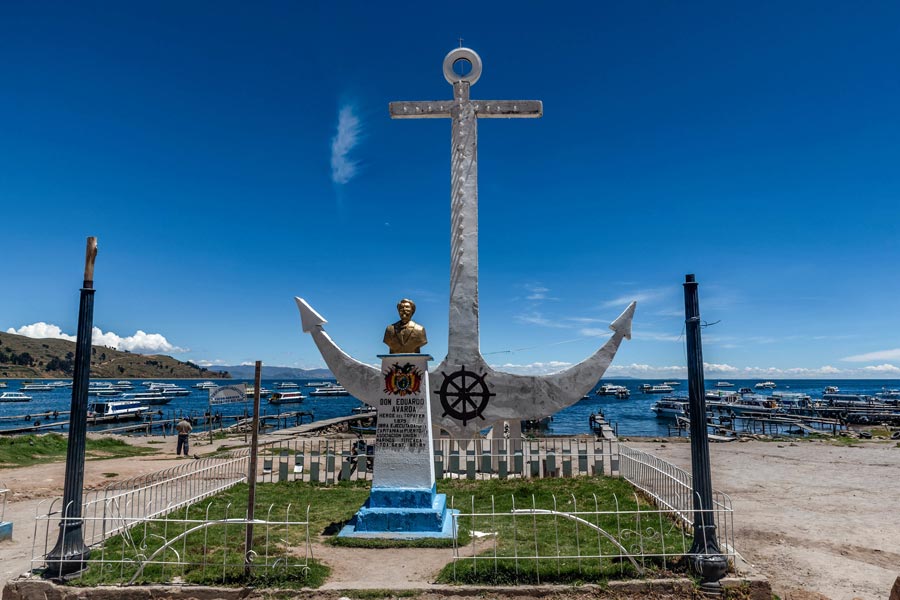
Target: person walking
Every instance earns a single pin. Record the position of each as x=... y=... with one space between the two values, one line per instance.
x=184 y=429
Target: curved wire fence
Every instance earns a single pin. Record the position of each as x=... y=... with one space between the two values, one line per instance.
x=154 y=527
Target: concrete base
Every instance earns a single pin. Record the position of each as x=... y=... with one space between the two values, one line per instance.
x=402 y=513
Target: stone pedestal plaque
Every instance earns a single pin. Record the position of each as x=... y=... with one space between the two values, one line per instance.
x=403 y=502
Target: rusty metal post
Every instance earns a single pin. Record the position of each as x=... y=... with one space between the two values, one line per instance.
x=707 y=560
x=251 y=473
x=70 y=551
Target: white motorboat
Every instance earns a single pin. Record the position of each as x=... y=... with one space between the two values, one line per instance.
x=724 y=384
x=153 y=398
x=330 y=390
x=287 y=385
x=656 y=389
x=832 y=389
x=170 y=392
x=671 y=383
x=793 y=400
x=670 y=407
x=888 y=396
x=317 y=384
x=609 y=389
x=286 y=398
x=204 y=385
x=14 y=397
x=765 y=385
x=252 y=390
x=37 y=387
x=740 y=404
x=120 y=409
x=2 y=384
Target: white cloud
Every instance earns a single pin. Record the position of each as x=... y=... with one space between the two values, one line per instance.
x=885 y=368
x=209 y=363
x=641 y=297
x=42 y=330
x=535 y=368
x=595 y=332
x=537 y=292
x=879 y=355
x=349 y=127
x=141 y=342
x=536 y=318
x=644 y=370
x=719 y=368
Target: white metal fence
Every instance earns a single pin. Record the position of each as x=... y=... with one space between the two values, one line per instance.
x=143 y=528
x=564 y=540
x=670 y=487
x=331 y=461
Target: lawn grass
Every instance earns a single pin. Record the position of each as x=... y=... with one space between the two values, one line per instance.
x=507 y=553
x=215 y=554
x=31 y=449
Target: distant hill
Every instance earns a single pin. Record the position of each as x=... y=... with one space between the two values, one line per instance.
x=249 y=371
x=43 y=358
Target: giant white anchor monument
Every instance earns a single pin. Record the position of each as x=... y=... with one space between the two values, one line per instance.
x=466 y=394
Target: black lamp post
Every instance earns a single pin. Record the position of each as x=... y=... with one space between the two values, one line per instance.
x=707 y=560
x=70 y=551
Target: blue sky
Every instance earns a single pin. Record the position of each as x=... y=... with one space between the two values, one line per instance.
x=230 y=156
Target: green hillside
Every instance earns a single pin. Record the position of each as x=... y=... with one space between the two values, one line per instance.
x=42 y=358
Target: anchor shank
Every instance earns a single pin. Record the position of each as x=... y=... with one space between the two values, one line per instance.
x=463 y=339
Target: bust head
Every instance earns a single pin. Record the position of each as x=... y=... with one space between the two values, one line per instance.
x=406 y=308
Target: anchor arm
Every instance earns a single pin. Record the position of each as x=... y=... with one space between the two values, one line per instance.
x=361 y=380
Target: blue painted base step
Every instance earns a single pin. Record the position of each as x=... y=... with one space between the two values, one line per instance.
x=399 y=513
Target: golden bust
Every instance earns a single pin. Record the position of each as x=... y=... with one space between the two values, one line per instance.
x=405 y=336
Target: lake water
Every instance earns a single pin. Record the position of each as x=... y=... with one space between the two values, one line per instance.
x=631 y=417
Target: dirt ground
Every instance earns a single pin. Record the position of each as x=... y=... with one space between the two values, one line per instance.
x=820 y=521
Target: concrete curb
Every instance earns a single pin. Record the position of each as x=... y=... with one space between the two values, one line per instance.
x=32 y=588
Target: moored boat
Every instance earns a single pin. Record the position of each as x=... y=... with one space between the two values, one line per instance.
x=37 y=387
x=330 y=390
x=118 y=409
x=610 y=389
x=287 y=385
x=765 y=385
x=286 y=398
x=724 y=384
x=656 y=389
x=14 y=397
x=152 y=398
x=204 y=385
x=251 y=390
x=670 y=407
x=738 y=404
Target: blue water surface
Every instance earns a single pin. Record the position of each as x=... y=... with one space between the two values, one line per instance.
x=630 y=417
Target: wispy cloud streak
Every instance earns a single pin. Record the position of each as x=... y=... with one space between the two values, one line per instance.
x=349 y=128
x=879 y=355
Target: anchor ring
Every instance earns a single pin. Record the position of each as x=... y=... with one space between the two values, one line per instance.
x=467 y=55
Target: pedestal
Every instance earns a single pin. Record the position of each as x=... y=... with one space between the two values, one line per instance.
x=403 y=503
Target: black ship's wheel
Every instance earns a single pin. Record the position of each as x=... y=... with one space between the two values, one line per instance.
x=466 y=398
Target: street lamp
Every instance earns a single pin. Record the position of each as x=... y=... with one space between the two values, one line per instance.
x=707 y=559
x=70 y=552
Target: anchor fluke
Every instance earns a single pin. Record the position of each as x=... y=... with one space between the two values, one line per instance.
x=309 y=318
x=622 y=325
